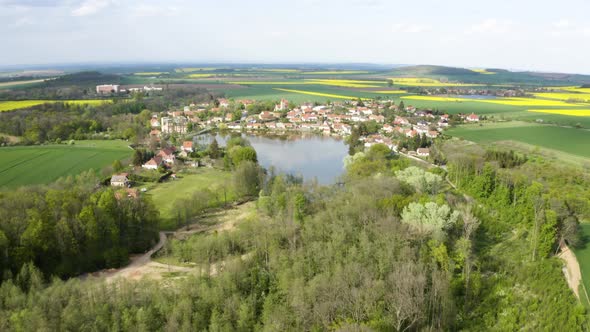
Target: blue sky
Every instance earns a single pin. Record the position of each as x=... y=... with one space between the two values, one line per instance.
x=514 y=34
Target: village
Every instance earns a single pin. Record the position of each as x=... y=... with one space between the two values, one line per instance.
x=403 y=129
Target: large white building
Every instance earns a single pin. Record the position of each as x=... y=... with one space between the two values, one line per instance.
x=107 y=88
x=174 y=125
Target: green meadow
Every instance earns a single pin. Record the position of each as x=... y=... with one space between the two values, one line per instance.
x=164 y=195
x=569 y=140
x=28 y=165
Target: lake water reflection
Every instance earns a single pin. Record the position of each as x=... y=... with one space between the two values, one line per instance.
x=310 y=156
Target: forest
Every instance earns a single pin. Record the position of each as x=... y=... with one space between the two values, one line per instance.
x=72 y=226
x=393 y=247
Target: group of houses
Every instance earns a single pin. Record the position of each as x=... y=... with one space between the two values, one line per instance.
x=337 y=119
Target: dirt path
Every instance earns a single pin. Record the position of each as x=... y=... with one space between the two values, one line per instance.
x=571 y=270
x=143 y=266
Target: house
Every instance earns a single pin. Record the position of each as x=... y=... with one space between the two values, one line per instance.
x=283 y=105
x=400 y=121
x=423 y=152
x=411 y=133
x=377 y=118
x=223 y=103
x=154 y=122
x=472 y=118
x=187 y=146
x=153 y=163
x=167 y=155
x=265 y=116
x=432 y=134
x=119 y=180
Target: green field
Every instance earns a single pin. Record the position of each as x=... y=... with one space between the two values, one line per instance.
x=27 y=165
x=19 y=104
x=164 y=195
x=569 y=140
x=583 y=256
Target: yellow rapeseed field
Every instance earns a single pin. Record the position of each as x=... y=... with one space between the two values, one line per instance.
x=580 y=112
x=426 y=82
x=311 y=93
x=500 y=101
x=268 y=83
x=583 y=97
x=18 y=104
x=391 y=91
x=483 y=71
x=200 y=75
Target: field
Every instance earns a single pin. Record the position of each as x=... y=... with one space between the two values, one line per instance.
x=580 y=97
x=583 y=256
x=19 y=84
x=28 y=165
x=19 y=104
x=567 y=140
x=320 y=94
x=164 y=195
x=576 y=112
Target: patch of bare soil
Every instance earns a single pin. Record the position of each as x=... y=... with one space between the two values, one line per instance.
x=571 y=270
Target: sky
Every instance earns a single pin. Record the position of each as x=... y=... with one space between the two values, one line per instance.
x=536 y=35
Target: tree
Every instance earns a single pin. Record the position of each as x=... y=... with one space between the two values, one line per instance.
x=240 y=154
x=422 y=181
x=389 y=83
x=246 y=178
x=406 y=296
x=214 y=152
x=117 y=166
x=430 y=219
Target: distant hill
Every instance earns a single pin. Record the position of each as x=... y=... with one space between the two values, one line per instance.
x=84 y=78
x=427 y=70
x=499 y=76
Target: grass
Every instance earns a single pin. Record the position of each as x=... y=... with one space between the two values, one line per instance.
x=568 y=140
x=164 y=195
x=583 y=256
x=28 y=165
x=336 y=72
x=312 y=93
x=20 y=104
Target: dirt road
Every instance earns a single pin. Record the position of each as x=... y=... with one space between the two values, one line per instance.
x=572 y=272
x=143 y=266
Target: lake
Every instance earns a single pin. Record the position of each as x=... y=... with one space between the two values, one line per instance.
x=310 y=156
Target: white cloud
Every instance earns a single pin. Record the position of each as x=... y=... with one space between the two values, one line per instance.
x=490 y=25
x=561 y=24
x=410 y=28
x=144 y=10
x=90 y=7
